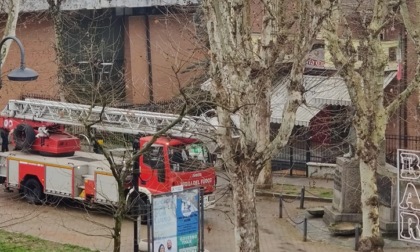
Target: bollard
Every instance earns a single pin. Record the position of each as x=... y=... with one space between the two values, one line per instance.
x=280 y=208
x=305 y=229
x=356 y=237
x=302 y=197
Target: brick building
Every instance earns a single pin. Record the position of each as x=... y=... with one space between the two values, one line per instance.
x=151 y=45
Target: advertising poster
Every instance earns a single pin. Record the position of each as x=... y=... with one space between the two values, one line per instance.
x=176 y=221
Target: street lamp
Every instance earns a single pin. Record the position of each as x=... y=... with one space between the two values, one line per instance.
x=135 y=182
x=22 y=73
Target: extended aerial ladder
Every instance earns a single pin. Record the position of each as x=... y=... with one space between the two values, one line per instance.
x=109 y=119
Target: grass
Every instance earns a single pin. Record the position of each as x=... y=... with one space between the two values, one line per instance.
x=16 y=242
x=287 y=189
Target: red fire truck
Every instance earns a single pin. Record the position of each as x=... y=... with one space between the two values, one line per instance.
x=48 y=161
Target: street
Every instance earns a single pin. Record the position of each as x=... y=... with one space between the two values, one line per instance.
x=67 y=223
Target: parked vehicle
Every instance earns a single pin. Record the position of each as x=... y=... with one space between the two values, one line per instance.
x=47 y=160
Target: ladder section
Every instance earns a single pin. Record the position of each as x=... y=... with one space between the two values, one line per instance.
x=108 y=119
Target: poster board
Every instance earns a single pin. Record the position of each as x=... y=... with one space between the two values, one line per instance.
x=176 y=221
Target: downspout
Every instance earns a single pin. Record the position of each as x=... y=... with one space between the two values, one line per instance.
x=405 y=80
x=149 y=59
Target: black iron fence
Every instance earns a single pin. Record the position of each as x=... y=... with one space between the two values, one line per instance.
x=395 y=142
x=295 y=155
x=298 y=153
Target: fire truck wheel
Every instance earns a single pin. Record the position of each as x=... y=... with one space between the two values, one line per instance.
x=144 y=208
x=32 y=190
x=24 y=136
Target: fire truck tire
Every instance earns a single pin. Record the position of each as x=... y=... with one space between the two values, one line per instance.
x=24 y=136
x=144 y=208
x=32 y=191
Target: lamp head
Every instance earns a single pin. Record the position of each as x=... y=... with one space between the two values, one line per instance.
x=22 y=74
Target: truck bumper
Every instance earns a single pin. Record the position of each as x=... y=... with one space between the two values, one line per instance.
x=209 y=201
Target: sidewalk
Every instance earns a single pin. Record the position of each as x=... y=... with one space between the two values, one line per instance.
x=276 y=234
x=317 y=230
x=282 y=178
x=298 y=182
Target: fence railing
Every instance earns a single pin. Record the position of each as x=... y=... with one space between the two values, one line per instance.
x=395 y=142
x=298 y=153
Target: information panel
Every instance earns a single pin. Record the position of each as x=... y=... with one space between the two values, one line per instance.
x=176 y=221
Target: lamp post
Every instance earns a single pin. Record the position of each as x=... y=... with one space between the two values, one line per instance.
x=135 y=182
x=22 y=73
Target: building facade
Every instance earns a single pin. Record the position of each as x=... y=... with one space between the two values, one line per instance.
x=151 y=48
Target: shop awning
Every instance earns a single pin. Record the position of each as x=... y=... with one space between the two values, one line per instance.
x=320 y=92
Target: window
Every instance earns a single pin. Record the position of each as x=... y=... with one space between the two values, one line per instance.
x=392 y=54
x=154 y=157
x=191 y=157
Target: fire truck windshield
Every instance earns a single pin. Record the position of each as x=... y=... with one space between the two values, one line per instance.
x=189 y=157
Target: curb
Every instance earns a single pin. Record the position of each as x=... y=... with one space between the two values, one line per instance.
x=292 y=196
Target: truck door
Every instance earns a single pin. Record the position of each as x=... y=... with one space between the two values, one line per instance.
x=152 y=164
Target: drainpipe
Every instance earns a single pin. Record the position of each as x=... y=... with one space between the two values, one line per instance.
x=149 y=59
x=405 y=79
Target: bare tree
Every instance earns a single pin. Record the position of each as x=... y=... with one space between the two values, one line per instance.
x=84 y=55
x=57 y=17
x=365 y=86
x=242 y=73
x=121 y=172
x=11 y=7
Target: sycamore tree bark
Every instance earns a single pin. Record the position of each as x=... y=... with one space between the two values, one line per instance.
x=242 y=74
x=365 y=87
x=11 y=7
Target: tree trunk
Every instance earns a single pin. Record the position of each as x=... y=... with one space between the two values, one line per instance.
x=242 y=71
x=10 y=30
x=371 y=237
x=246 y=225
x=265 y=178
x=57 y=17
x=117 y=232
x=119 y=215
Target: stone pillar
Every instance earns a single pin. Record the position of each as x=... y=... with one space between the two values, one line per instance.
x=346 y=205
x=388 y=197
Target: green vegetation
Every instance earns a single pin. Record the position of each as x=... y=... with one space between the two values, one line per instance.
x=287 y=189
x=16 y=242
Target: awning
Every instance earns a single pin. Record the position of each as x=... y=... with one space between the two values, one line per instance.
x=320 y=92
x=333 y=91
x=279 y=97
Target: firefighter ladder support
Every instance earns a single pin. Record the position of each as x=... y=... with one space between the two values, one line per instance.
x=128 y=121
